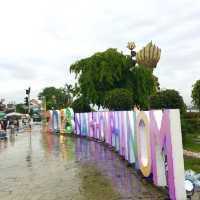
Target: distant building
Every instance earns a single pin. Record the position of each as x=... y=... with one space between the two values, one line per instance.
x=35 y=104
x=2 y=105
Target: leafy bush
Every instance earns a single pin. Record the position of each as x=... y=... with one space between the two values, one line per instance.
x=119 y=99
x=168 y=99
x=190 y=125
x=196 y=94
x=81 y=105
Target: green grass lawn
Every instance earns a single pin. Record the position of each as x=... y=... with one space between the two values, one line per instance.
x=192 y=142
x=192 y=163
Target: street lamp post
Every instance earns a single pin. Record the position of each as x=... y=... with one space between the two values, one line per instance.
x=131 y=46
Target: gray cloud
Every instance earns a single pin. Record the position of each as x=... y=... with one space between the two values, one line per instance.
x=18 y=71
x=41 y=39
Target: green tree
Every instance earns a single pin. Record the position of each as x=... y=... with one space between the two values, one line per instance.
x=144 y=85
x=55 y=97
x=119 y=99
x=168 y=99
x=20 y=108
x=105 y=71
x=81 y=105
x=196 y=94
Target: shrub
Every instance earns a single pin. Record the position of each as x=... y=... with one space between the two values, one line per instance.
x=196 y=94
x=81 y=105
x=168 y=99
x=191 y=123
x=119 y=99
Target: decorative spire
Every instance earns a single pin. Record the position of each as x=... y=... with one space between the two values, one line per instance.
x=149 y=56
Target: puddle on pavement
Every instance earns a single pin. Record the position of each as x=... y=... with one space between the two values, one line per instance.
x=41 y=166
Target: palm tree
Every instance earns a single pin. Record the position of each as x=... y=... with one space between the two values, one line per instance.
x=68 y=91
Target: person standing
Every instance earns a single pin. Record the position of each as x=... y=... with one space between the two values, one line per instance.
x=5 y=124
x=1 y=125
x=1 y=130
x=17 y=125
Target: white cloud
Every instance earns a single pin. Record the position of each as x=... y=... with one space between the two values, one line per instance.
x=39 y=39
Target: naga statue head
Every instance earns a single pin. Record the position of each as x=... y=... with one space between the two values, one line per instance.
x=149 y=56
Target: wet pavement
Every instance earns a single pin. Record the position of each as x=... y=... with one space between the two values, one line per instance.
x=40 y=166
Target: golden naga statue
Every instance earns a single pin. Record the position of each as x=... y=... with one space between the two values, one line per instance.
x=149 y=56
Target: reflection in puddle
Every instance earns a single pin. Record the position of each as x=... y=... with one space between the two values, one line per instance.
x=60 y=167
x=102 y=165
x=109 y=165
x=29 y=151
x=12 y=139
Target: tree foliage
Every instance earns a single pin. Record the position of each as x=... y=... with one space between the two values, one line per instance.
x=81 y=105
x=20 y=108
x=168 y=99
x=144 y=85
x=105 y=71
x=119 y=99
x=55 y=97
x=196 y=94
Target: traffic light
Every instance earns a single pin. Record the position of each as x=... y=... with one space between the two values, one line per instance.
x=28 y=90
x=26 y=101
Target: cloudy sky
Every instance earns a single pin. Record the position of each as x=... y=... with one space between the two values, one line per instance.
x=40 y=39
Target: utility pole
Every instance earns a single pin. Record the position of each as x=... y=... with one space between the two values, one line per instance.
x=131 y=46
x=29 y=89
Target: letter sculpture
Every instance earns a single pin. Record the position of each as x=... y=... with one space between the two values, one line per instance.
x=151 y=140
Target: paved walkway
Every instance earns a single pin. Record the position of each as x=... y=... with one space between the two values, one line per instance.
x=192 y=154
x=41 y=166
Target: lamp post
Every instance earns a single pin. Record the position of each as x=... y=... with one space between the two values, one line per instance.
x=131 y=46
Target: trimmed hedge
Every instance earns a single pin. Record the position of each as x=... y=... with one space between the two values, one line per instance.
x=190 y=124
x=192 y=115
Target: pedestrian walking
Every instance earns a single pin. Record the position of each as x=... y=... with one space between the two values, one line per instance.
x=17 y=125
x=30 y=123
x=5 y=124
x=1 y=125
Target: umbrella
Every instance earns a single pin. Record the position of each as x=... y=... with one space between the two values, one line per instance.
x=2 y=114
x=14 y=114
